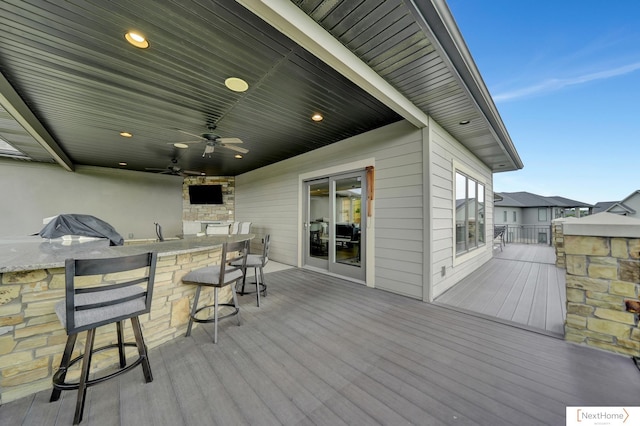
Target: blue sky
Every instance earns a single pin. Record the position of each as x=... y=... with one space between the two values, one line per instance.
x=565 y=76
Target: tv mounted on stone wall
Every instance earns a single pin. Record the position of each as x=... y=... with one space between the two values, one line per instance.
x=205 y=194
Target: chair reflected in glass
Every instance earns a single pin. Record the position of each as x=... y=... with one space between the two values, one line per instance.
x=218 y=276
x=124 y=291
x=318 y=242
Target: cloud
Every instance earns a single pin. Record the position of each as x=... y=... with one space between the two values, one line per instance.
x=557 y=84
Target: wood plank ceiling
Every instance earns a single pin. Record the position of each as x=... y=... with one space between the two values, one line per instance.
x=69 y=63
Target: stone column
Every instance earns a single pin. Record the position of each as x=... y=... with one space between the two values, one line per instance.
x=603 y=270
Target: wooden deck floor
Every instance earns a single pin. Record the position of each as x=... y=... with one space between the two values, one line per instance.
x=325 y=351
x=521 y=284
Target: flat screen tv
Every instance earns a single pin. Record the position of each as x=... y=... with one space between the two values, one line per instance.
x=205 y=194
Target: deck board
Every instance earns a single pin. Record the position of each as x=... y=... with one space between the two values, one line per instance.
x=325 y=351
x=521 y=284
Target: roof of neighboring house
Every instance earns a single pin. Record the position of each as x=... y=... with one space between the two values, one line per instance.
x=527 y=199
x=603 y=206
x=616 y=206
x=620 y=208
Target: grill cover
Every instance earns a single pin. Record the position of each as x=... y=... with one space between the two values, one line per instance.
x=81 y=224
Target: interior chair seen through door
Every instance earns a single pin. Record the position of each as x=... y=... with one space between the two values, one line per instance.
x=228 y=273
x=244 y=228
x=124 y=292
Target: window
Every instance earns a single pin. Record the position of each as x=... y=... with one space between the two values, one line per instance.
x=542 y=214
x=470 y=220
x=515 y=217
x=504 y=216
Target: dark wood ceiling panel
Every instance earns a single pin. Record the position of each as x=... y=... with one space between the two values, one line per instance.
x=69 y=61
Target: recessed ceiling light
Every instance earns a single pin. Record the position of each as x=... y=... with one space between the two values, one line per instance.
x=136 y=40
x=126 y=135
x=181 y=145
x=236 y=84
x=317 y=117
x=237 y=156
x=463 y=122
x=122 y=163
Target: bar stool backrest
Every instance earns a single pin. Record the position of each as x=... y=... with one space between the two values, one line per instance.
x=265 y=249
x=233 y=253
x=245 y=228
x=119 y=295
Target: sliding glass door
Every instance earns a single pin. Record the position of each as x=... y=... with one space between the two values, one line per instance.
x=335 y=223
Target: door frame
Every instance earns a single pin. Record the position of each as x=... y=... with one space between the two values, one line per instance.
x=368 y=221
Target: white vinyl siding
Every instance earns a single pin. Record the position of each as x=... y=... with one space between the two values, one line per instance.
x=270 y=197
x=446 y=155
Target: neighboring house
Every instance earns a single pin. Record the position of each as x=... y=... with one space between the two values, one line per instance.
x=528 y=216
x=630 y=206
x=447 y=140
x=602 y=206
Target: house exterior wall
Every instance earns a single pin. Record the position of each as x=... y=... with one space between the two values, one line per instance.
x=634 y=203
x=33 y=191
x=446 y=155
x=411 y=231
x=498 y=215
x=271 y=197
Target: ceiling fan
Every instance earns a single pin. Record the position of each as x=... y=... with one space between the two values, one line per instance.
x=213 y=141
x=173 y=169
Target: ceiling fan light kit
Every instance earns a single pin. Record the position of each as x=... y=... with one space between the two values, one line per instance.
x=212 y=141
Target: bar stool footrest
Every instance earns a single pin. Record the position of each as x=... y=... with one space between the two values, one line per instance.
x=60 y=384
x=211 y=319
x=263 y=290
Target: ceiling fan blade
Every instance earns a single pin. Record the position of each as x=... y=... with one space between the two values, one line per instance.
x=190 y=134
x=153 y=169
x=191 y=173
x=229 y=140
x=235 y=148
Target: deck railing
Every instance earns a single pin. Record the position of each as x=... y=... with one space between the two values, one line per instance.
x=528 y=234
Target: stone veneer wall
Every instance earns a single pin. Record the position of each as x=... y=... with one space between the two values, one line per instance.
x=558 y=243
x=601 y=273
x=32 y=339
x=222 y=212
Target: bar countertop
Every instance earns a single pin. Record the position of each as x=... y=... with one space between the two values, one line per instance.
x=34 y=252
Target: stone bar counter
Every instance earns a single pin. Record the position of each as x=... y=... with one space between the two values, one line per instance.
x=32 y=282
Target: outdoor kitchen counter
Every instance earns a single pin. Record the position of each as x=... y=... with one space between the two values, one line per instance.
x=33 y=252
x=32 y=282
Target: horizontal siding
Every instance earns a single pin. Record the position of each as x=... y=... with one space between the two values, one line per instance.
x=269 y=198
x=444 y=152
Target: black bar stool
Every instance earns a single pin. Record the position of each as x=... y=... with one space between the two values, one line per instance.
x=228 y=273
x=257 y=262
x=116 y=298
